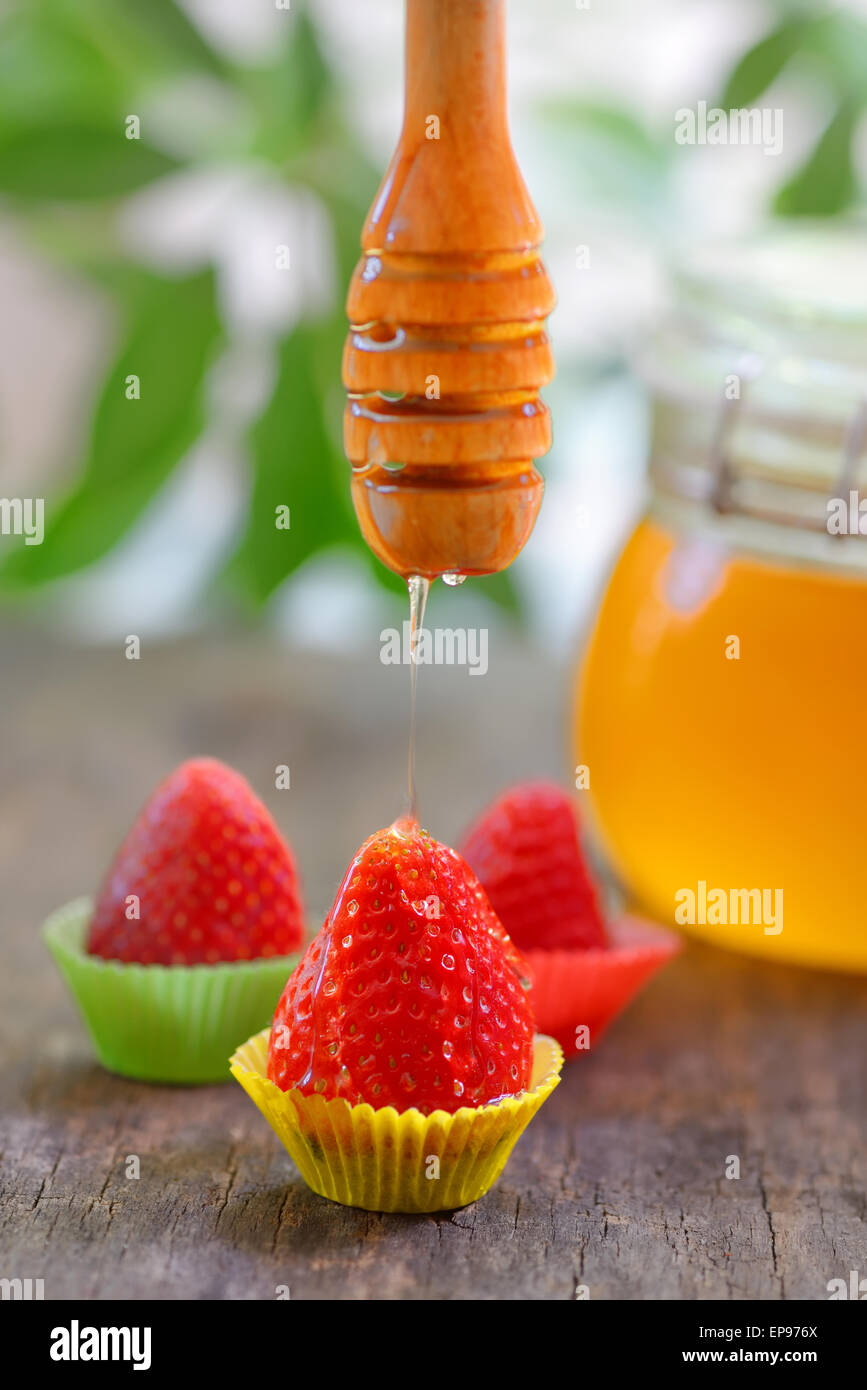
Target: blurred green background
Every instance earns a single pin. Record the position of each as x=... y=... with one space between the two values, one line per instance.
x=262 y=127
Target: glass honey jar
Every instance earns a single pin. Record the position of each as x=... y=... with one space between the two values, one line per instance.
x=721 y=698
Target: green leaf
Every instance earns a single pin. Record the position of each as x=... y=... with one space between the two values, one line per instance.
x=72 y=60
x=143 y=41
x=293 y=95
x=135 y=444
x=77 y=161
x=610 y=122
x=295 y=465
x=838 y=40
x=826 y=183
x=305 y=74
x=500 y=589
x=606 y=153
x=762 y=64
x=168 y=28
x=48 y=67
x=833 y=44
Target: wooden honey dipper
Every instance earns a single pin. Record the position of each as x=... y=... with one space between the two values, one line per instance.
x=447 y=347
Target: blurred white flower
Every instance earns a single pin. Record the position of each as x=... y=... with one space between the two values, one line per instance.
x=272 y=245
x=151 y=584
x=196 y=116
x=331 y=604
x=239 y=28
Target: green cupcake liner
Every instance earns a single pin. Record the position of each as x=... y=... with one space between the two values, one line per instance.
x=164 y=1022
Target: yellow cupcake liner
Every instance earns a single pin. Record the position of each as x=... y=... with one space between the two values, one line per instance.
x=383 y=1160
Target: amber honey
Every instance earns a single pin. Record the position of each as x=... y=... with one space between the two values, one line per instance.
x=739 y=772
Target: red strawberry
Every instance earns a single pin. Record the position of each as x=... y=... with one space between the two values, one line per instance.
x=204 y=875
x=526 y=852
x=411 y=994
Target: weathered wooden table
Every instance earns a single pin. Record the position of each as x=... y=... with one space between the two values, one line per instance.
x=619 y=1185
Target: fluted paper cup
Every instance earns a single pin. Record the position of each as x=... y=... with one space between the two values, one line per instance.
x=574 y=989
x=383 y=1160
x=163 y=1022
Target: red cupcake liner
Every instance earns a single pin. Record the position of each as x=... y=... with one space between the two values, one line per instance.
x=575 y=988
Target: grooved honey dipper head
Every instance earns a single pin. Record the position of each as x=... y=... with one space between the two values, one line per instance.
x=447 y=347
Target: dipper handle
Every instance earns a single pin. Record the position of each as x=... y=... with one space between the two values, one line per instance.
x=447 y=346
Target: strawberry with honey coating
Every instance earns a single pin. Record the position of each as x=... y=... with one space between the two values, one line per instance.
x=411 y=995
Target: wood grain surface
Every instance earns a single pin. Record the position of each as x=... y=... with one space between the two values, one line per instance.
x=619 y=1184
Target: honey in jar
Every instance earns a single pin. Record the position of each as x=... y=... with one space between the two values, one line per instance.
x=721 y=697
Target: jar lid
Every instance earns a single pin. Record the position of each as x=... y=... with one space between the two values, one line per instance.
x=759 y=377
